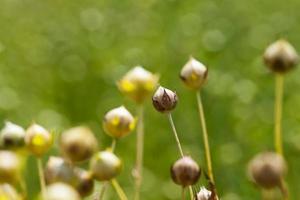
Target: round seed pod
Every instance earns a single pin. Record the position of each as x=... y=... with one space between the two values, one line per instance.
x=105 y=165
x=58 y=170
x=185 y=171
x=10 y=167
x=267 y=169
x=138 y=84
x=12 y=137
x=8 y=192
x=203 y=194
x=85 y=182
x=61 y=191
x=164 y=100
x=118 y=122
x=281 y=56
x=38 y=140
x=78 y=144
x=194 y=74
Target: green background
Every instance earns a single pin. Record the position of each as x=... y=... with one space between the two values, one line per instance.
x=59 y=61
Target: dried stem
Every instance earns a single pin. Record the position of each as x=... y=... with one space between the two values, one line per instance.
x=183 y=193
x=138 y=172
x=278 y=112
x=205 y=137
x=119 y=190
x=178 y=145
x=42 y=178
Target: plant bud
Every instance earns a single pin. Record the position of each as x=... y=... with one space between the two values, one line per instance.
x=12 y=136
x=203 y=194
x=8 y=192
x=105 y=165
x=164 y=100
x=58 y=170
x=194 y=74
x=118 y=122
x=61 y=191
x=185 y=171
x=267 y=169
x=138 y=84
x=78 y=144
x=281 y=56
x=10 y=167
x=85 y=182
x=38 y=140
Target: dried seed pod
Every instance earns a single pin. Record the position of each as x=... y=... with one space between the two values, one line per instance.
x=61 y=191
x=118 y=122
x=58 y=170
x=10 y=167
x=12 y=136
x=185 y=171
x=281 y=56
x=78 y=144
x=105 y=165
x=138 y=84
x=85 y=182
x=8 y=192
x=164 y=100
x=203 y=194
x=38 y=140
x=194 y=74
x=267 y=169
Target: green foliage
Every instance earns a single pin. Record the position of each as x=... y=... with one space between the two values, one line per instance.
x=59 y=61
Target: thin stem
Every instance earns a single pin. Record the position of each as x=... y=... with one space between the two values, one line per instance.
x=266 y=194
x=102 y=191
x=138 y=171
x=205 y=138
x=284 y=190
x=23 y=187
x=183 y=193
x=113 y=145
x=119 y=190
x=42 y=178
x=278 y=112
x=178 y=145
x=175 y=134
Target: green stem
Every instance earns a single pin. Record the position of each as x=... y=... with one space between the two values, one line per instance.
x=119 y=190
x=42 y=178
x=138 y=173
x=183 y=193
x=278 y=112
x=205 y=137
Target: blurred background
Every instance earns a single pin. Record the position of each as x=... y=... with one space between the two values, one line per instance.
x=60 y=60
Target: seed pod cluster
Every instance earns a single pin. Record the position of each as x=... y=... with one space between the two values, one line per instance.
x=118 y=122
x=185 y=171
x=267 y=169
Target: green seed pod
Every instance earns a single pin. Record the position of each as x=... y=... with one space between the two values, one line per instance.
x=138 y=84
x=7 y=192
x=281 y=56
x=118 y=122
x=10 y=167
x=164 y=100
x=185 y=171
x=12 y=137
x=105 y=165
x=194 y=74
x=267 y=169
x=58 y=170
x=38 y=140
x=78 y=144
x=85 y=182
x=61 y=191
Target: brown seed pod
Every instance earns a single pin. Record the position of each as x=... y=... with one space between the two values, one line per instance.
x=267 y=169
x=10 y=166
x=78 y=144
x=281 y=56
x=194 y=74
x=12 y=137
x=105 y=165
x=185 y=171
x=164 y=100
x=85 y=182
